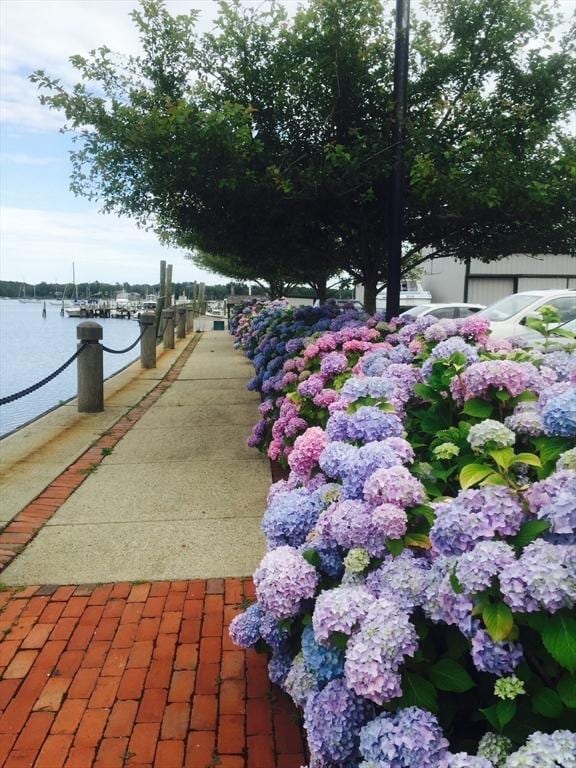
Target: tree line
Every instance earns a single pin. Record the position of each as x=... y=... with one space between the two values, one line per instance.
x=263 y=147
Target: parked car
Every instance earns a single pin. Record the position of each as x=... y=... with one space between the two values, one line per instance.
x=450 y=311
x=508 y=315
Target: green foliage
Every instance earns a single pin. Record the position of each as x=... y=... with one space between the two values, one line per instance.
x=559 y=638
x=267 y=142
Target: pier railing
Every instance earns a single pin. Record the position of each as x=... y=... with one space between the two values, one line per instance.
x=176 y=321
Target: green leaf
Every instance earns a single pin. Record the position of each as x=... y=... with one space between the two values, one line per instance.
x=395 y=546
x=505 y=711
x=530 y=531
x=420 y=540
x=472 y=474
x=419 y=692
x=448 y=675
x=527 y=458
x=546 y=702
x=503 y=396
x=424 y=511
x=312 y=557
x=339 y=640
x=503 y=457
x=427 y=393
x=480 y=409
x=567 y=690
x=499 y=621
x=559 y=638
x=500 y=714
x=550 y=448
x=455 y=582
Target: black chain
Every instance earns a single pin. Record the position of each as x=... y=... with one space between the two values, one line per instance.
x=123 y=351
x=34 y=387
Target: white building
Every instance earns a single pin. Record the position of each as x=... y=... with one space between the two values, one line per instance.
x=479 y=283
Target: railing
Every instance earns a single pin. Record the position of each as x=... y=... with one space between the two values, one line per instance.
x=174 y=321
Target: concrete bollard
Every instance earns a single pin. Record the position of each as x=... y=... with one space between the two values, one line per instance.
x=168 y=318
x=181 y=324
x=148 y=340
x=90 y=368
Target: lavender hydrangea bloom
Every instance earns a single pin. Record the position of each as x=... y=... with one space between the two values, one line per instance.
x=339 y=610
x=410 y=738
x=401 y=579
x=544 y=577
x=299 y=683
x=390 y=521
x=394 y=485
x=377 y=650
x=367 y=424
x=564 y=363
x=335 y=458
x=476 y=569
x=463 y=760
x=290 y=517
x=525 y=420
x=333 y=364
x=507 y=375
x=546 y=750
x=474 y=515
x=497 y=658
x=440 y=601
x=283 y=579
x=554 y=500
x=323 y=662
x=367 y=386
x=245 y=628
x=349 y=524
x=273 y=633
x=445 y=349
x=279 y=666
x=559 y=415
x=333 y=718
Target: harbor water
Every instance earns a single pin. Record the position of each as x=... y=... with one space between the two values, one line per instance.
x=32 y=347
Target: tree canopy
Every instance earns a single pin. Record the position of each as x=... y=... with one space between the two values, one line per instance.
x=265 y=145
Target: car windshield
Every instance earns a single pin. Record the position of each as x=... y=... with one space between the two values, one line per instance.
x=415 y=311
x=507 y=307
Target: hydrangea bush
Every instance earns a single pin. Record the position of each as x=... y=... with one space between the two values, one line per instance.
x=417 y=597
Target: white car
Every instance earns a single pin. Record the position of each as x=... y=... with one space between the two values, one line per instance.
x=508 y=315
x=450 y=311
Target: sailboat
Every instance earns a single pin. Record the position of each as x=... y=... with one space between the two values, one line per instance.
x=22 y=296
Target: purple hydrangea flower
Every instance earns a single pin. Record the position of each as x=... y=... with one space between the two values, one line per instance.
x=525 y=420
x=474 y=515
x=245 y=628
x=464 y=760
x=279 y=666
x=507 y=375
x=333 y=364
x=290 y=517
x=394 y=485
x=283 y=579
x=299 y=683
x=377 y=650
x=349 y=524
x=497 y=658
x=339 y=610
x=476 y=569
x=559 y=414
x=401 y=579
x=441 y=602
x=544 y=577
x=554 y=500
x=409 y=738
x=390 y=521
x=333 y=718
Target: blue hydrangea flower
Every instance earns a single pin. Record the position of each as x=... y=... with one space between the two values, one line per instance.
x=324 y=662
x=410 y=738
x=559 y=414
x=290 y=516
x=245 y=628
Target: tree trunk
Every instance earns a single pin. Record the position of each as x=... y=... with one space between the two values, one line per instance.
x=320 y=287
x=370 y=289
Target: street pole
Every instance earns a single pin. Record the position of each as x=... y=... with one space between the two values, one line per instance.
x=398 y=178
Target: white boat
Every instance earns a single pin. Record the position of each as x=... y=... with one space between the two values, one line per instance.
x=412 y=294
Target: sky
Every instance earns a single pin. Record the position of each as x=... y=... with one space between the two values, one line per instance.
x=44 y=228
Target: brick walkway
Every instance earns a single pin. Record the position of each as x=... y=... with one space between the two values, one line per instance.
x=134 y=675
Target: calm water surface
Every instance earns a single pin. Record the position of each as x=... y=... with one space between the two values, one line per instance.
x=31 y=348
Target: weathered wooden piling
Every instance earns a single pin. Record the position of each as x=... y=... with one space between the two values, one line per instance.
x=90 y=368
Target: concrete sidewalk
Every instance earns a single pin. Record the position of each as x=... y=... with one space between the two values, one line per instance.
x=179 y=496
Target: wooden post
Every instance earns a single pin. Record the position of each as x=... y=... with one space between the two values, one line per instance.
x=168 y=319
x=148 y=340
x=169 y=285
x=189 y=318
x=161 y=298
x=90 y=368
x=181 y=322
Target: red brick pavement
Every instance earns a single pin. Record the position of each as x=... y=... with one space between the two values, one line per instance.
x=137 y=676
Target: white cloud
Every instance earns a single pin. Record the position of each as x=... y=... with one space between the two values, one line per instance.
x=38 y=245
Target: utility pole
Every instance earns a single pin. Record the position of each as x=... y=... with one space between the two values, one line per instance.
x=398 y=178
